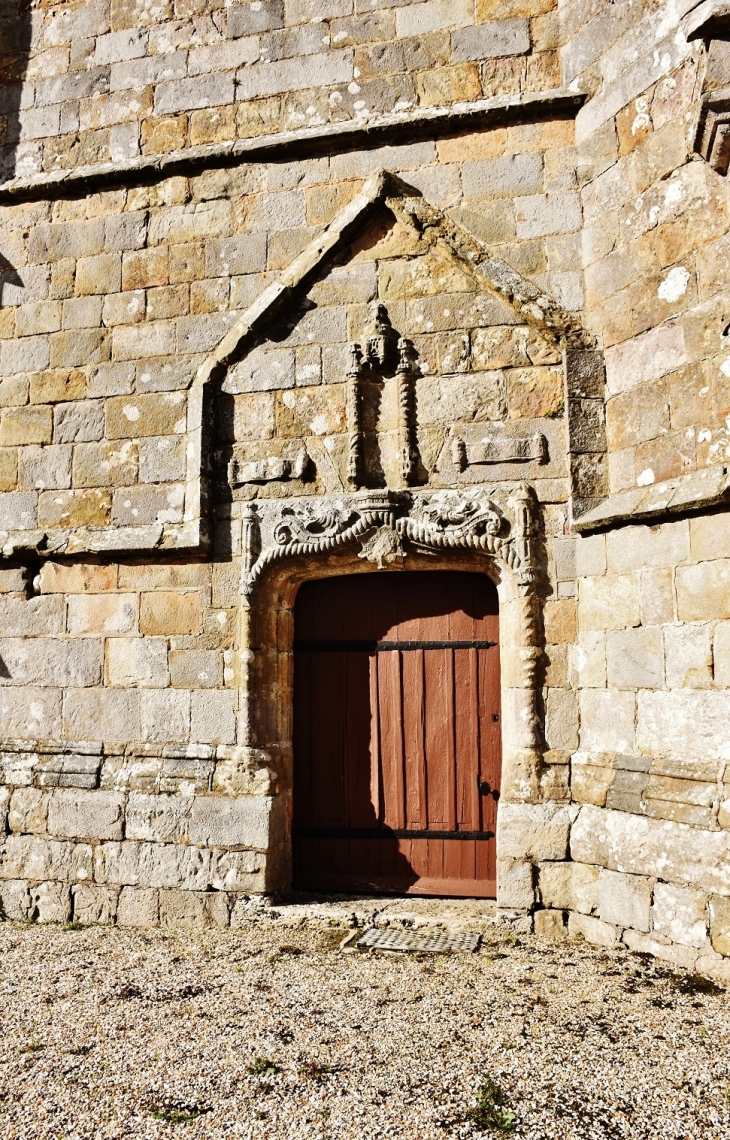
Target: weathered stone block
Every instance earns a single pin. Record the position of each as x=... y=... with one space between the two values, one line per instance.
x=37 y=859
x=625 y=900
x=680 y=914
x=515 y=886
x=98 y=714
x=683 y=723
x=49 y=902
x=639 y=547
x=101 y=613
x=607 y=720
x=161 y=413
x=137 y=662
x=158 y=819
x=213 y=717
x=720 y=923
x=610 y=602
x=534 y=831
x=77 y=814
x=28 y=810
x=562 y=719
x=191 y=910
x=138 y=907
x=587 y=661
x=170 y=614
x=569 y=886
x=703 y=591
x=14 y=899
x=635 y=658
x=22 y=426
x=168 y=865
x=592 y=930
x=94 y=905
x=550 y=924
x=656 y=848
x=247 y=821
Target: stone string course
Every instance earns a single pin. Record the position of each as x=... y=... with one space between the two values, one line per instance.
x=145 y=702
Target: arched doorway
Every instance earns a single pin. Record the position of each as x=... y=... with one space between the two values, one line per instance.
x=397 y=748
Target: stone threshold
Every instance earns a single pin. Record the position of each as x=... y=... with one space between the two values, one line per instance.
x=695 y=491
x=398 y=128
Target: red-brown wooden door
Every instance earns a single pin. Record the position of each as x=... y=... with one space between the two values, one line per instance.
x=397 y=749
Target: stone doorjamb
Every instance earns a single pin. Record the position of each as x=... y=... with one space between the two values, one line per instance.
x=494 y=531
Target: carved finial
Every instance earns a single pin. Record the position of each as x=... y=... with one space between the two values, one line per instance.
x=355 y=366
x=381 y=339
x=407 y=355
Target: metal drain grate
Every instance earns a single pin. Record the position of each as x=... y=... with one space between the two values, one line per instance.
x=424 y=941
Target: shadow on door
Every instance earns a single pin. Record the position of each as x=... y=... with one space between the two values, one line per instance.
x=397 y=749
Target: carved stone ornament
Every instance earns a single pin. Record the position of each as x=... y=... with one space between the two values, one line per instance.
x=712 y=139
x=386 y=523
x=273 y=468
x=524 y=449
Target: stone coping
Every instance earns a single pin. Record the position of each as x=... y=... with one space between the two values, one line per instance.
x=695 y=491
x=397 y=127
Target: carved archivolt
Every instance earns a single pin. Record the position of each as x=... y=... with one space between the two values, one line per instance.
x=386 y=524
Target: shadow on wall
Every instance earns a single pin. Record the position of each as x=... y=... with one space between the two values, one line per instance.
x=15 y=35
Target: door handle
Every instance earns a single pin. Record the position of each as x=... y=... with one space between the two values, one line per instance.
x=486 y=789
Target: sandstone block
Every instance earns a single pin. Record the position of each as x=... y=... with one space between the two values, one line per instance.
x=635 y=658
x=587 y=661
x=78 y=422
x=70 y=509
x=98 y=275
x=49 y=902
x=703 y=591
x=36 y=616
x=165 y=714
x=74 y=348
x=155 y=414
x=592 y=929
x=645 y=944
x=639 y=547
x=562 y=719
x=50 y=661
x=18 y=510
x=8 y=468
x=213 y=717
x=101 y=613
x=680 y=914
x=242 y=871
x=515 y=888
x=657 y=596
x=27 y=354
x=98 y=714
x=77 y=814
x=94 y=905
x=689 y=660
x=167 y=865
x=14 y=899
x=155 y=818
x=22 y=426
x=145 y=268
x=550 y=924
x=607 y=720
x=195 y=669
x=246 y=20
x=625 y=900
x=683 y=723
x=169 y=613
x=721 y=655
x=569 y=886
x=193 y=911
x=534 y=831
x=710 y=537
x=145 y=505
x=137 y=662
x=538 y=215
x=38 y=858
x=217 y=821
x=30 y=713
x=76 y=577
x=134 y=342
x=4 y=805
x=105 y=464
x=610 y=602
x=720 y=924
x=656 y=848
x=138 y=907
x=41 y=468
x=28 y=810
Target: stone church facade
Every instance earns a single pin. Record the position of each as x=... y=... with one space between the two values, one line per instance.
x=218 y=223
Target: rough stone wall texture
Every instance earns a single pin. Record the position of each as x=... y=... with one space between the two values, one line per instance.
x=109 y=80
x=130 y=787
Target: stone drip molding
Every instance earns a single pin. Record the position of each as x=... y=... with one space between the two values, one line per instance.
x=399 y=127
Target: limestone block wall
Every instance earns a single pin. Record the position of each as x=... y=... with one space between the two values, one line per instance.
x=98 y=81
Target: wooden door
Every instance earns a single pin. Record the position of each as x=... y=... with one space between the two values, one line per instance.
x=397 y=749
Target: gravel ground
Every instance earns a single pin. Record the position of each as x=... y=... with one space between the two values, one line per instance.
x=272 y=1031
